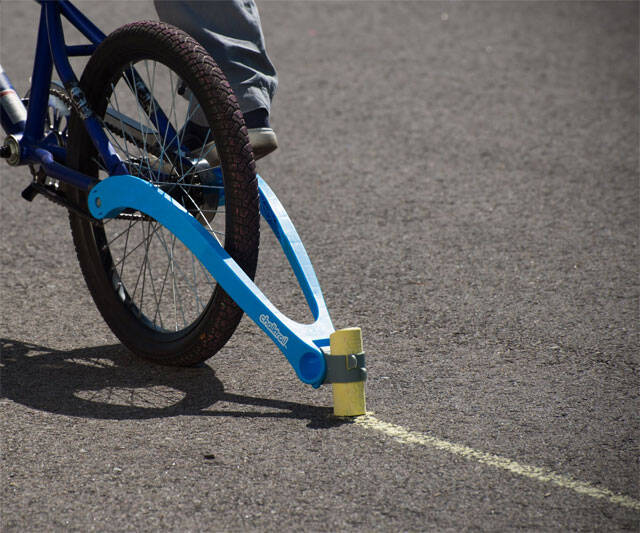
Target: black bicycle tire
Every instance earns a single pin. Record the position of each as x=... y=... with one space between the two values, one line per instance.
x=174 y=48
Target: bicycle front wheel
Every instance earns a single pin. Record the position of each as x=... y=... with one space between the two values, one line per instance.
x=146 y=81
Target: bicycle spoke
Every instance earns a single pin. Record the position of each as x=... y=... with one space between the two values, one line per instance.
x=164 y=282
x=173 y=285
x=126 y=243
x=177 y=299
x=153 y=289
x=162 y=278
x=173 y=111
x=117 y=104
x=151 y=78
x=177 y=268
x=195 y=285
x=145 y=241
x=130 y=252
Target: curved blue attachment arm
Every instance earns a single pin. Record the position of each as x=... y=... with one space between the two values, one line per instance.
x=300 y=343
x=280 y=223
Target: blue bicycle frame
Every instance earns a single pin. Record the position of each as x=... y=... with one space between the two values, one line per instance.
x=302 y=344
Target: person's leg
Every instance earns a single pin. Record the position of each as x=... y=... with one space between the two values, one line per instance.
x=230 y=31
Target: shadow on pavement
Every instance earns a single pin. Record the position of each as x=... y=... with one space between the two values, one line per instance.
x=108 y=382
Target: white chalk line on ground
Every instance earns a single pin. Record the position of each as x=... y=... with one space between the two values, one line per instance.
x=542 y=475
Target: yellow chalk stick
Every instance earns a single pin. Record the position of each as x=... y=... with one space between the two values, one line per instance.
x=348 y=398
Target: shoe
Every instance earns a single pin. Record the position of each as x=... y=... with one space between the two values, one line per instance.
x=263 y=141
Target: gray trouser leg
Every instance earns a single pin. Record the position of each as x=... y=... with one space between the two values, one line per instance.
x=230 y=31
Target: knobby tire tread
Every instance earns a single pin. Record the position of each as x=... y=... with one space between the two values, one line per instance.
x=167 y=44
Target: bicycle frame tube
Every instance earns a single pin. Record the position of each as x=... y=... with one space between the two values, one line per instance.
x=51 y=50
x=13 y=115
x=57 y=45
x=82 y=23
x=91 y=32
x=43 y=65
x=40 y=81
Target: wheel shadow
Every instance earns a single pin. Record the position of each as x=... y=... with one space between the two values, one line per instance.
x=108 y=382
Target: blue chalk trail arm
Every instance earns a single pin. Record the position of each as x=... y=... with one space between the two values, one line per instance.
x=300 y=343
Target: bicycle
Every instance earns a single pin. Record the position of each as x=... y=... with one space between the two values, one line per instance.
x=166 y=236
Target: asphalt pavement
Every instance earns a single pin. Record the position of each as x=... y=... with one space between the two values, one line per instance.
x=465 y=178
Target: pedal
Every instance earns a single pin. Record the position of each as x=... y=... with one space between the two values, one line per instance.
x=29 y=193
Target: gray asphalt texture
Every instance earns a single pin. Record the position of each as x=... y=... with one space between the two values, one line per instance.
x=465 y=179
